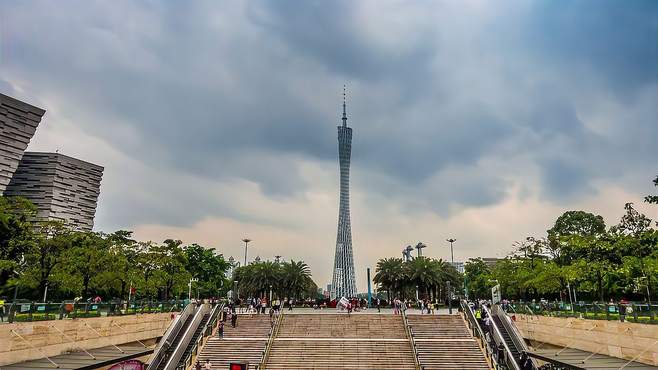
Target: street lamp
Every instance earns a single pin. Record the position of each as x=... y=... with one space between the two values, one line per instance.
x=452 y=255
x=189 y=288
x=246 y=242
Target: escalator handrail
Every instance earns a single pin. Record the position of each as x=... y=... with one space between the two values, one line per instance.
x=473 y=322
x=496 y=330
x=198 y=344
x=169 y=336
x=181 y=346
x=516 y=336
x=514 y=332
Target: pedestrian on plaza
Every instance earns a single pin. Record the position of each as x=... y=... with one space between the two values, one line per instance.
x=290 y=304
x=197 y=366
x=207 y=365
x=2 y=310
x=220 y=330
x=378 y=303
x=234 y=320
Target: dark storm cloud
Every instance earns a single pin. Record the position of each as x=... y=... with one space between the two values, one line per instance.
x=227 y=91
x=617 y=41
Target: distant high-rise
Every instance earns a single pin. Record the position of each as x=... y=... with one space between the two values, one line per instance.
x=344 y=280
x=18 y=123
x=61 y=187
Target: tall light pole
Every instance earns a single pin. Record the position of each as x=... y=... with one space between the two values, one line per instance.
x=452 y=255
x=189 y=288
x=246 y=243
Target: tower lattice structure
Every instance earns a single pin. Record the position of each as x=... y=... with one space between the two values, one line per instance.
x=344 y=280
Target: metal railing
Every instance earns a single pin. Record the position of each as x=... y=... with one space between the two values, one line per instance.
x=410 y=335
x=642 y=313
x=197 y=346
x=513 y=331
x=169 y=336
x=39 y=311
x=499 y=339
x=181 y=346
x=478 y=333
x=274 y=331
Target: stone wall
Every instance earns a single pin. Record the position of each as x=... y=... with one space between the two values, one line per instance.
x=86 y=333
x=613 y=338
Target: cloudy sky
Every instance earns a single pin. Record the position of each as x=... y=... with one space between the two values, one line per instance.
x=215 y=121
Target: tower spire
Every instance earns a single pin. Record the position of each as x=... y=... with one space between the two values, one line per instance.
x=344 y=111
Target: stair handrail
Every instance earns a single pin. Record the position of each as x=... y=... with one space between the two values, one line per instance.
x=174 y=358
x=198 y=345
x=479 y=333
x=409 y=333
x=169 y=335
x=274 y=331
x=501 y=339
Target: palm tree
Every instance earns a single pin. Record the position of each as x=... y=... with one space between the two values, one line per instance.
x=424 y=273
x=295 y=278
x=390 y=275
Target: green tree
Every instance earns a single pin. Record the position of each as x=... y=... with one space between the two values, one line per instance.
x=209 y=268
x=296 y=279
x=390 y=276
x=477 y=275
x=52 y=241
x=16 y=237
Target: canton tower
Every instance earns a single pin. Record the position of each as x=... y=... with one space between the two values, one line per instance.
x=344 y=282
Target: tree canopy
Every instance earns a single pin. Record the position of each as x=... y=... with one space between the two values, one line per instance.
x=85 y=264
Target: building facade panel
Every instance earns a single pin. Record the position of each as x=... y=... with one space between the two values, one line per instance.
x=18 y=123
x=62 y=188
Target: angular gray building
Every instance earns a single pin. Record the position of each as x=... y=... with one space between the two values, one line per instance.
x=62 y=188
x=18 y=123
x=344 y=281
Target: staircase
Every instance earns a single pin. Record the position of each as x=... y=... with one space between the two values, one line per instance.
x=341 y=341
x=443 y=342
x=244 y=343
x=175 y=342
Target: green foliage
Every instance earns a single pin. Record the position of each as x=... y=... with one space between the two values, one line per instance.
x=287 y=279
x=653 y=199
x=429 y=276
x=477 y=275
x=579 y=252
x=85 y=264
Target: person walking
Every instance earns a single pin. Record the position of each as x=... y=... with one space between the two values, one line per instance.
x=207 y=365
x=220 y=330
x=197 y=366
x=379 y=307
x=290 y=302
x=234 y=320
x=2 y=310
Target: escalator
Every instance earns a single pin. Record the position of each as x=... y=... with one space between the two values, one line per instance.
x=507 y=338
x=174 y=344
x=197 y=333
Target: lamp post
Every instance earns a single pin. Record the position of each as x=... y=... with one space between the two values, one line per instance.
x=246 y=243
x=189 y=288
x=452 y=255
